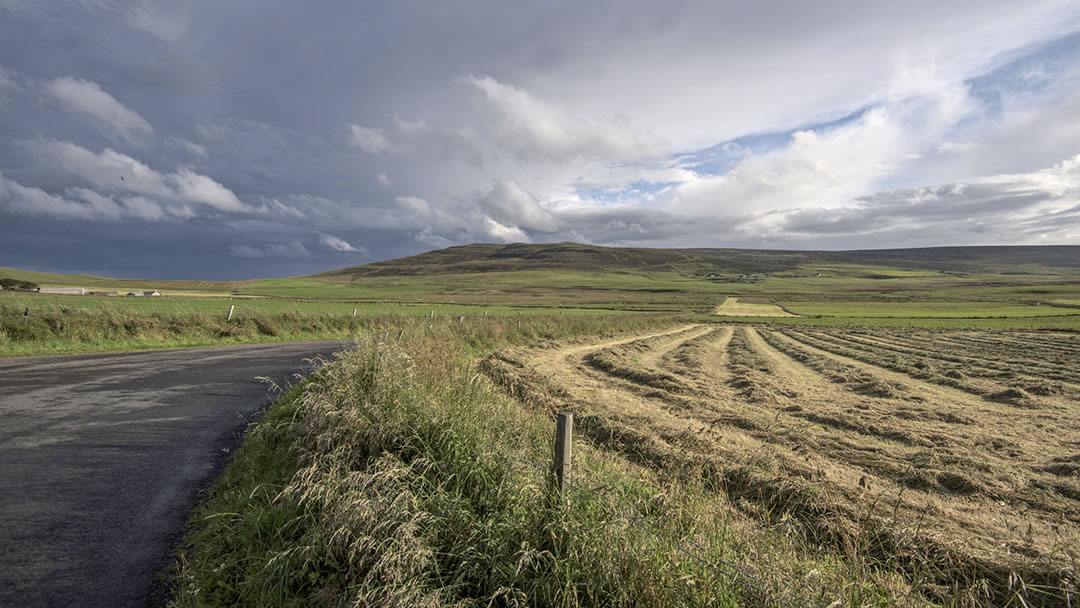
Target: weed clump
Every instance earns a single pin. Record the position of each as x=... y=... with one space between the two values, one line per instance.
x=1013 y=395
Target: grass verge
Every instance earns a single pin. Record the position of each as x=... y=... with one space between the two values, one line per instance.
x=88 y=325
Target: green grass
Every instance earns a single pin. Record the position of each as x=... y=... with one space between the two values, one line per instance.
x=958 y=288
x=221 y=306
x=541 y=288
x=856 y=310
x=398 y=476
x=85 y=324
x=47 y=279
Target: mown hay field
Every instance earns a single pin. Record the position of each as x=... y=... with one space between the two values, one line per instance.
x=950 y=457
x=750 y=307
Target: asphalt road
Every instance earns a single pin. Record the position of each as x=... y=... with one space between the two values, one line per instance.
x=102 y=457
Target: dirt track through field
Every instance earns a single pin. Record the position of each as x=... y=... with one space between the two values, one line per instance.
x=857 y=436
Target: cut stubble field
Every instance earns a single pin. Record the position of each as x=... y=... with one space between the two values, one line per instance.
x=952 y=457
x=750 y=307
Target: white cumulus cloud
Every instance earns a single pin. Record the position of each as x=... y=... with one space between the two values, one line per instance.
x=338 y=244
x=119 y=172
x=75 y=204
x=368 y=139
x=538 y=129
x=86 y=98
x=508 y=203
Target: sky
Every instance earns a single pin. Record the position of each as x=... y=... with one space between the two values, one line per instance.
x=226 y=140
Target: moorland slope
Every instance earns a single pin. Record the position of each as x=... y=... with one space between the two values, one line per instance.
x=478 y=258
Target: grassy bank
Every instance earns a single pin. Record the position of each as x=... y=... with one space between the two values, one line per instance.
x=60 y=329
x=85 y=324
x=400 y=476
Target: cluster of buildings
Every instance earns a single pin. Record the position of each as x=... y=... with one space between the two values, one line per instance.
x=756 y=277
x=82 y=291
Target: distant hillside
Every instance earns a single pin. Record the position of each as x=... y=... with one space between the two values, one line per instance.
x=480 y=258
x=521 y=256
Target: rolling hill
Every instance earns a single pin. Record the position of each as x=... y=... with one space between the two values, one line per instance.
x=479 y=258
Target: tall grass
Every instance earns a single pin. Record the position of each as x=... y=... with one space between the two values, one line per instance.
x=66 y=328
x=60 y=328
x=397 y=475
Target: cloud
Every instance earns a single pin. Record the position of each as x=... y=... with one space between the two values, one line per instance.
x=492 y=216
x=88 y=99
x=337 y=244
x=151 y=18
x=425 y=213
x=506 y=234
x=507 y=202
x=684 y=124
x=106 y=169
x=1017 y=208
x=540 y=130
x=368 y=139
x=5 y=80
x=195 y=149
x=191 y=186
x=1027 y=208
x=835 y=162
x=77 y=204
x=274 y=207
x=426 y=143
x=292 y=249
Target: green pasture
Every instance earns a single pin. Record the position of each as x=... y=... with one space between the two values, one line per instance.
x=321 y=306
x=532 y=288
x=858 y=310
x=85 y=324
x=194 y=287
x=941 y=287
x=16 y=303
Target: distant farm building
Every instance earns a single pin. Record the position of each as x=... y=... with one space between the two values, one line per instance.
x=103 y=293
x=144 y=293
x=63 y=291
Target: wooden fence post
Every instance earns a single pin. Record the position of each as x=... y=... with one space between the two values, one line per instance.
x=229 y=318
x=354 y=312
x=460 y=321
x=400 y=333
x=564 y=434
x=26 y=316
x=386 y=336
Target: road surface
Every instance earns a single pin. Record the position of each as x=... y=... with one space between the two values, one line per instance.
x=102 y=457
